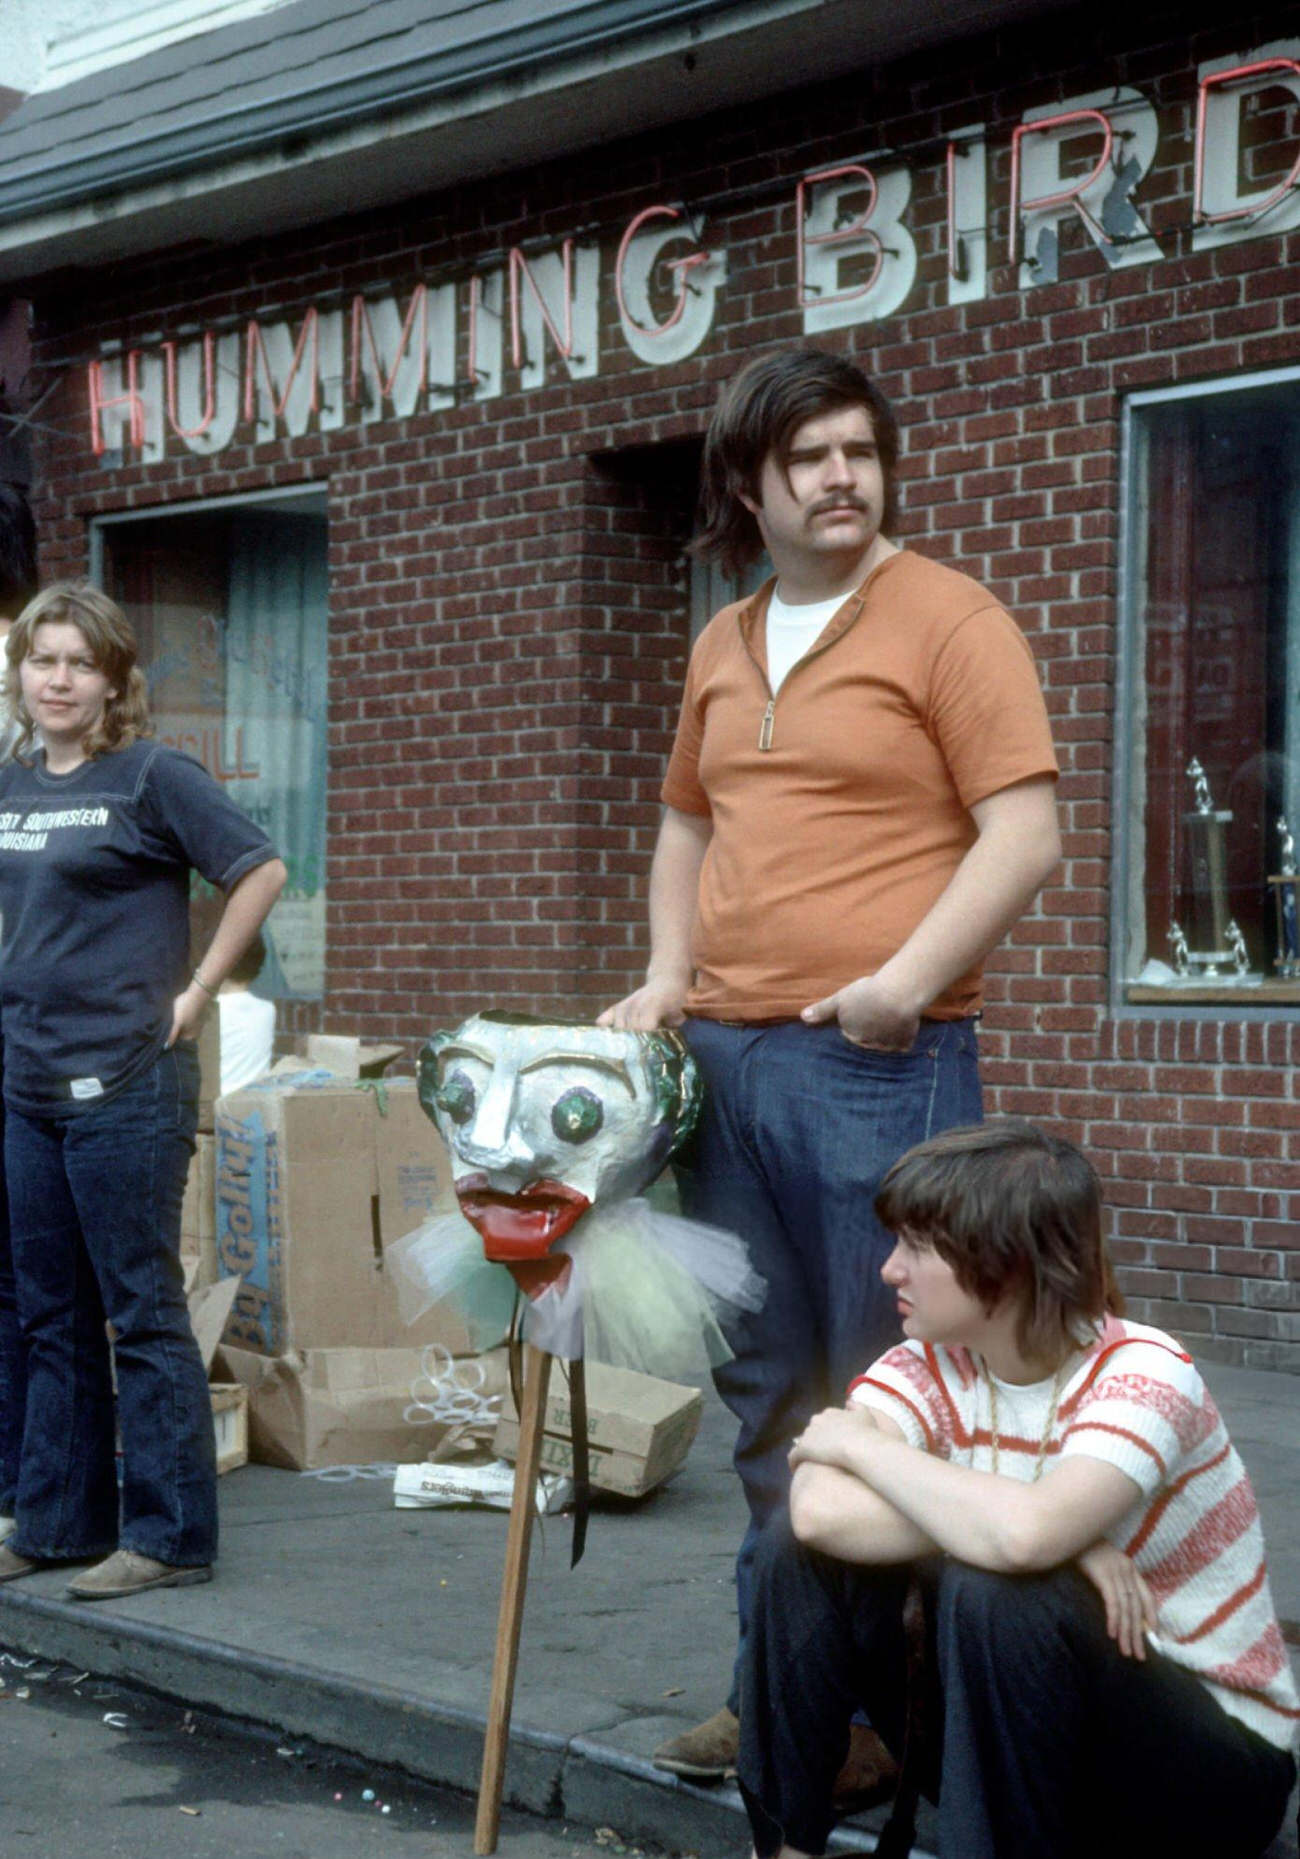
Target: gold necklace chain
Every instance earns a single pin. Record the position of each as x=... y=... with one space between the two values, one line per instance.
x=1058 y=1382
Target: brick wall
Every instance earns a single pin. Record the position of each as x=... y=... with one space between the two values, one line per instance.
x=508 y=608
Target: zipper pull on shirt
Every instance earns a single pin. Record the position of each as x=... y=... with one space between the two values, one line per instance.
x=765 y=727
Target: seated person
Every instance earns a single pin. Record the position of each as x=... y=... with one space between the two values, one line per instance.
x=247 y=1022
x=1104 y=1670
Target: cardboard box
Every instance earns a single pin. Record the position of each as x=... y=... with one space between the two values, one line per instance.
x=346 y=1057
x=341 y=1406
x=313 y=1177
x=199 y=1216
x=209 y=1307
x=230 y=1424
x=209 y=1068
x=639 y=1429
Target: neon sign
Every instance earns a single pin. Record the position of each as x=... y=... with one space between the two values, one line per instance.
x=1081 y=159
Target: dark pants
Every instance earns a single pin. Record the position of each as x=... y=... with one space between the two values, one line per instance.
x=96 y=1205
x=1045 y=1743
x=13 y=1361
x=797 y=1131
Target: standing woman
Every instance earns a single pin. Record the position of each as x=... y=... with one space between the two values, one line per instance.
x=17 y=585
x=99 y=832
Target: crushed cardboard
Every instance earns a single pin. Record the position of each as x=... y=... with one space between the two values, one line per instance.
x=351 y=1406
x=639 y=1429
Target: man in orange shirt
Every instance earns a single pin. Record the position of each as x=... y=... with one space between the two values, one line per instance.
x=859 y=805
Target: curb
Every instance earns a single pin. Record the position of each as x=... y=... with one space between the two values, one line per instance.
x=548 y=1773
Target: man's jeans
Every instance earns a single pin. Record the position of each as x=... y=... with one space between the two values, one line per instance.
x=798 y=1129
x=1043 y=1740
x=95 y=1201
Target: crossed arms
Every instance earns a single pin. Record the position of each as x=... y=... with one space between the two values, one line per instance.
x=862 y=1493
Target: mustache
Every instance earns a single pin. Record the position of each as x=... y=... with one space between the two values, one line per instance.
x=847 y=502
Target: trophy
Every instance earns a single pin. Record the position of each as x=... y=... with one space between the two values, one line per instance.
x=1283 y=885
x=1216 y=949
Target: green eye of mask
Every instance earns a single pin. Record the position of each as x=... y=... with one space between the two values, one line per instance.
x=577 y=1115
x=457 y=1098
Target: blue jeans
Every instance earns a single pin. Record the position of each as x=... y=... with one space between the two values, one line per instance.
x=798 y=1129
x=1044 y=1741
x=95 y=1201
x=13 y=1362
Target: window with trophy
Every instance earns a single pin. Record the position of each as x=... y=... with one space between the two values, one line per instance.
x=1209 y=811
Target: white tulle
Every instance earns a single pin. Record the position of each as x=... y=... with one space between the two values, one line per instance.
x=647 y=1290
x=442 y=1262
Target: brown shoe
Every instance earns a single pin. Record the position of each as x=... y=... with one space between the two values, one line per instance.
x=705 y=1754
x=125 y=1573
x=869 y=1774
x=13 y=1566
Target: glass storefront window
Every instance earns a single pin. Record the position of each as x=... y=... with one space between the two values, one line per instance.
x=229 y=603
x=1213 y=723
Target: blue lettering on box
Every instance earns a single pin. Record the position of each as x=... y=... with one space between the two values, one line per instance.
x=250 y=1229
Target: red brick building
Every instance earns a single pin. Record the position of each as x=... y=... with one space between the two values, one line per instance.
x=381 y=410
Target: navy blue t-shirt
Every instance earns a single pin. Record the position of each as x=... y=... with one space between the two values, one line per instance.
x=94 y=891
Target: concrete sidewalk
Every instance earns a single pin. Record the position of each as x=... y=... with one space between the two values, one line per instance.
x=336 y=1617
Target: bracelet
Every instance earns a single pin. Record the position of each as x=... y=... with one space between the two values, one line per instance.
x=210 y=992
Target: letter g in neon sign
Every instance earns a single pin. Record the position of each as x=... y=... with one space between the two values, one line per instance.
x=696 y=277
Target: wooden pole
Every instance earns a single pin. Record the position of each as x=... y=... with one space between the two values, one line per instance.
x=514 y=1582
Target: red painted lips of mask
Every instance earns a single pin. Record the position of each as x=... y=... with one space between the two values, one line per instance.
x=524 y=1225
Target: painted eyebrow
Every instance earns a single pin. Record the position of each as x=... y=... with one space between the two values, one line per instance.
x=466 y=1051
x=615 y=1067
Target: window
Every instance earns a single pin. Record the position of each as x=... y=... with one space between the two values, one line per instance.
x=229 y=602
x=1211 y=694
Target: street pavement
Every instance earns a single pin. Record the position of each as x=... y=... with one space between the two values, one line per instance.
x=93 y=1770
x=369 y=1630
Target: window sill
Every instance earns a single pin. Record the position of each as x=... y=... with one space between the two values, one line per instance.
x=1214 y=994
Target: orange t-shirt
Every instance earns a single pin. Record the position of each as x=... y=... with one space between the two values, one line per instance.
x=829 y=846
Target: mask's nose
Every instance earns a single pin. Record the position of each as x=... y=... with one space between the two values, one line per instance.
x=492 y=1139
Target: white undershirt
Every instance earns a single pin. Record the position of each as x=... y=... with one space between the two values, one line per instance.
x=791 y=630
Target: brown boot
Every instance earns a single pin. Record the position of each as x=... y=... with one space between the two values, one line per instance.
x=705 y=1754
x=869 y=1774
x=125 y=1573
x=13 y=1566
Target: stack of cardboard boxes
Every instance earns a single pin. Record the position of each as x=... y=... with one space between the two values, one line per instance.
x=299 y=1182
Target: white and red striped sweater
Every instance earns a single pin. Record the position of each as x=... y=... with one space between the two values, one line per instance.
x=1134 y=1399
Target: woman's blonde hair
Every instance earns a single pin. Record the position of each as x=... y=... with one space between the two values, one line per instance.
x=107 y=632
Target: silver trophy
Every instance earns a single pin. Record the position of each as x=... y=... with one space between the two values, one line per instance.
x=1215 y=950
x=1283 y=885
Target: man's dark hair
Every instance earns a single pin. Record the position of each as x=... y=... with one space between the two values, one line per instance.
x=758 y=412
x=17 y=552
x=1012 y=1210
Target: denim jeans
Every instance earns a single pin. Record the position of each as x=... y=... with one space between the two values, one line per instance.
x=95 y=1200
x=1043 y=1740
x=798 y=1129
x=13 y=1361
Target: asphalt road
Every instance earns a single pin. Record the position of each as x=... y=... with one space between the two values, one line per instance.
x=91 y=1770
